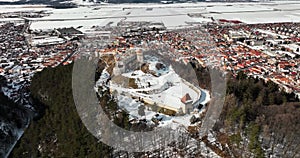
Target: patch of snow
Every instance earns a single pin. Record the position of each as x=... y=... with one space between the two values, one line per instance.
x=210 y=137
x=132 y=107
x=49 y=40
x=166 y=89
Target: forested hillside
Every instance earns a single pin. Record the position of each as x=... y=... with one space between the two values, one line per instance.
x=267 y=117
x=58 y=131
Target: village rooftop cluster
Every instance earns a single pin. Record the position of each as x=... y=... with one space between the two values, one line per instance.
x=23 y=54
x=266 y=51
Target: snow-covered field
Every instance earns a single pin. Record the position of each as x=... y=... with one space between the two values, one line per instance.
x=23 y=8
x=9 y=0
x=260 y=17
x=172 y=15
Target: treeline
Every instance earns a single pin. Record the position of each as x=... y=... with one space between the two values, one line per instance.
x=58 y=130
x=249 y=90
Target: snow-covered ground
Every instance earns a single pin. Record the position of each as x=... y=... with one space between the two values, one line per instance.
x=165 y=89
x=161 y=93
x=172 y=15
x=132 y=107
x=23 y=8
x=259 y=17
x=9 y=0
x=48 y=40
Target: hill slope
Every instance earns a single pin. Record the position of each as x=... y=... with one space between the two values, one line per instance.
x=59 y=131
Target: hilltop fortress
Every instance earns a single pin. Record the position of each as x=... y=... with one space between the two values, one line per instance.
x=158 y=85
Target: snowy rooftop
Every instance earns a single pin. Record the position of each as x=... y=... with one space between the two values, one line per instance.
x=132 y=105
x=166 y=89
x=48 y=40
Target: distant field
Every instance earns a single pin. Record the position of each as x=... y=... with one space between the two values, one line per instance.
x=172 y=15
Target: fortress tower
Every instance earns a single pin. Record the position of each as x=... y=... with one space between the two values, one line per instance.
x=187 y=103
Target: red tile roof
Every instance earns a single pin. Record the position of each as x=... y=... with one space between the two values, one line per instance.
x=186 y=98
